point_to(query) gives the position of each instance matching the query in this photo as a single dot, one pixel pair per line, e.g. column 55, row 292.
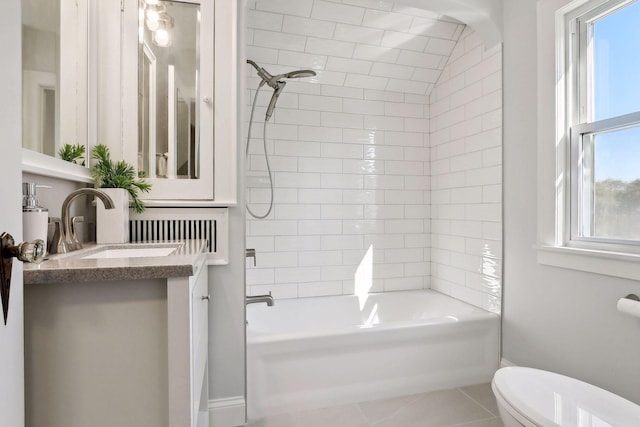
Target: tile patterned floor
column 473, row 406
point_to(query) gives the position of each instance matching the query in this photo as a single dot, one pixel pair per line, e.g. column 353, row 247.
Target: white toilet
column 534, row 398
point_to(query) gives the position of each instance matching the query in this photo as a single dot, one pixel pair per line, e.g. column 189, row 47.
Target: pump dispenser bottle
column 35, row 219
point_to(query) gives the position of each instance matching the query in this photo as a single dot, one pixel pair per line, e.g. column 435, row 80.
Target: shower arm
column 264, row 75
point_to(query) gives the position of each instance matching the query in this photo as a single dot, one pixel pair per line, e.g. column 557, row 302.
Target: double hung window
column 602, row 206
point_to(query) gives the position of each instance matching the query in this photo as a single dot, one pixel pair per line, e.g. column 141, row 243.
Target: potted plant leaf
column 72, row 153
column 121, row 182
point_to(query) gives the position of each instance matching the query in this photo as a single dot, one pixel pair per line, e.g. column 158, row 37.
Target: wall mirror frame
column 75, row 75
column 214, row 160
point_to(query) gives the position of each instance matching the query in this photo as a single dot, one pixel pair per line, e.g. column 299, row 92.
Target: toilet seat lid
column 552, row 400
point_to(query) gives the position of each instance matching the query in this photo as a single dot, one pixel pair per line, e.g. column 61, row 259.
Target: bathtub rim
column 476, row 314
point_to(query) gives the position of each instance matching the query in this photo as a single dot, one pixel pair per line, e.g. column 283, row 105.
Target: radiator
column 168, row 224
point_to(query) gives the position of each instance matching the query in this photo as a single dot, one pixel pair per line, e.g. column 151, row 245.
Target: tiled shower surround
column 466, row 175
column 353, row 152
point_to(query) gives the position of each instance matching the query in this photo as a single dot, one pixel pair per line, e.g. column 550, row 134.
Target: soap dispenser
column 35, row 219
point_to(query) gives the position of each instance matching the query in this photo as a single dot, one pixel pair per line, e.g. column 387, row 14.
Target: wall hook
column 27, row 252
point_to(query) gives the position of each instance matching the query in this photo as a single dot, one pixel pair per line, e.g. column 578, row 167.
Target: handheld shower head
column 276, row 83
column 272, row 80
column 274, row 99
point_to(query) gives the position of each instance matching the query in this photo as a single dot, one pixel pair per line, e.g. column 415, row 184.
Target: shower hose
column 266, row 156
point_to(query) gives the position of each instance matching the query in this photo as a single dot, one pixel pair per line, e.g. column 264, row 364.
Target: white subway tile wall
column 353, row 151
column 466, row 175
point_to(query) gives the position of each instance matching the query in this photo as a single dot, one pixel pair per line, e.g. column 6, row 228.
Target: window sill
column 616, row 264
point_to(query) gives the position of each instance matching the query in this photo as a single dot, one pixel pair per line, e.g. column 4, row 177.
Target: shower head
column 276, row 83
column 298, row 74
column 273, row 81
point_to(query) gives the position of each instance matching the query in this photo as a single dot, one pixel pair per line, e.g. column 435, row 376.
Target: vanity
column 117, row 335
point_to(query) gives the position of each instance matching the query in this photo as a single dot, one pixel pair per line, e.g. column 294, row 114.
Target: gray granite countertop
column 74, row 267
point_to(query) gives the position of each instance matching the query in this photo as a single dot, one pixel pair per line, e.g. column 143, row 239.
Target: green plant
column 72, row 153
column 110, row 174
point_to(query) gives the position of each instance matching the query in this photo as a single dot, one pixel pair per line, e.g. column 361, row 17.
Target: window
column 603, row 117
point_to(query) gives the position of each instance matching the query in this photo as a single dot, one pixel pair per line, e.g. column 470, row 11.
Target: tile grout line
column 415, row 399
column 364, row 416
column 478, row 403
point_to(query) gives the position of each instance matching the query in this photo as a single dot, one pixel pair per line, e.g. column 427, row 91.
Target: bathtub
column 317, row 352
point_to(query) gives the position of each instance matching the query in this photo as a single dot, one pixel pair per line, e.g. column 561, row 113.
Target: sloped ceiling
column 362, row 43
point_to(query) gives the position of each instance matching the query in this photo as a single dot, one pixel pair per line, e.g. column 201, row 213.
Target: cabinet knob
column 205, row 297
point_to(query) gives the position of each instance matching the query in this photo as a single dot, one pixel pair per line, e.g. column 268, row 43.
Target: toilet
column 535, row 398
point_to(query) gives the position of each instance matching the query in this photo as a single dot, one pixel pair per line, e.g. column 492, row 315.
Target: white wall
column 553, row 318
column 466, row 174
column 11, row 336
column 227, row 316
column 52, row 198
column 349, row 148
column 354, row 155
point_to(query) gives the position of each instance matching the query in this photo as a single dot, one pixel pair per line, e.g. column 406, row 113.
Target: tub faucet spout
column 260, row 298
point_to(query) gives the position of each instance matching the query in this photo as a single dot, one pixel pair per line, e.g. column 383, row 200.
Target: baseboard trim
column 227, row 412
column 504, row 363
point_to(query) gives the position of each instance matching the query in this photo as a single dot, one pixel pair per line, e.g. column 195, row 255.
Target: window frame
column 574, row 220
column 581, row 126
column 554, row 90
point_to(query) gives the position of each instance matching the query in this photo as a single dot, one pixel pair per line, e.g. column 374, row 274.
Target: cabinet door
column 188, row 345
column 200, row 344
column 177, row 129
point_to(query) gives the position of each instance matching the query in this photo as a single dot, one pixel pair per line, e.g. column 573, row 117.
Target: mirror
column 168, row 66
column 55, row 70
column 167, row 99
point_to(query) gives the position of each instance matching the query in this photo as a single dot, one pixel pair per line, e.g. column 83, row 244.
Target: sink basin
column 136, row 252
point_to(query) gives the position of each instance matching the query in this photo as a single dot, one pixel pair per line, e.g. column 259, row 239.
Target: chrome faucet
column 68, row 241
column 260, row 298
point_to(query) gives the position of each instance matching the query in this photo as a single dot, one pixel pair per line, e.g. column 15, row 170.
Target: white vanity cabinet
column 119, row 343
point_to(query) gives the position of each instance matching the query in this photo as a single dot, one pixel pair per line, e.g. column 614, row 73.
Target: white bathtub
column 316, row 352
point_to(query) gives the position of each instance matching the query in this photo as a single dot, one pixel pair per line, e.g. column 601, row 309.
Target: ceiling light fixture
column 158, row 21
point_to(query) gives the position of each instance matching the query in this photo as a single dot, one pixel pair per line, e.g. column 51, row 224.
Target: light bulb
column 152, row 16
column 153, row 25
column 161, row 37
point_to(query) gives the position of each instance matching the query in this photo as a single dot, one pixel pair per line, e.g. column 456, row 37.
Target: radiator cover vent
column 174, row 229
column 169, row 224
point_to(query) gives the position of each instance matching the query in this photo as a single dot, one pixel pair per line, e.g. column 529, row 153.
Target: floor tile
column 472, row 406
column 437, row 409
column 336, row 416
column 283, row 420
column 483, row 394
column 493, row 422
column 377, row 410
